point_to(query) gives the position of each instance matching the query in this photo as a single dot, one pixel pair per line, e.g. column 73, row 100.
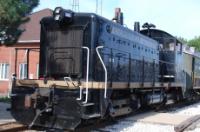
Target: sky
column 180, row 18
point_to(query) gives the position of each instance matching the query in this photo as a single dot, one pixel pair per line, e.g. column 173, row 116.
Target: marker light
column 68, row 14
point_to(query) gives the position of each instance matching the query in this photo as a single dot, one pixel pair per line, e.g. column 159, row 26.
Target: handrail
column 97, row 50
column 87, row 73
column 87, row 76
column 70, row 79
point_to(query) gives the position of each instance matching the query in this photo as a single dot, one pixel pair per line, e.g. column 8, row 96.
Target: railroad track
column 162, row 116
column 12, row 127
column 188, row 124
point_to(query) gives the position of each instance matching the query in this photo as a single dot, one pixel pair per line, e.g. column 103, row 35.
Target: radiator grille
column 64, row 52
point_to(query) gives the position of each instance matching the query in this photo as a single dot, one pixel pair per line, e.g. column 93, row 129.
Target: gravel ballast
column 138, row 126
column 128, row 124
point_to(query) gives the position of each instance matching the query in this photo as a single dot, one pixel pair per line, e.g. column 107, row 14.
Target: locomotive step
column 121, row 111
column 92, row 116
column 87, row 104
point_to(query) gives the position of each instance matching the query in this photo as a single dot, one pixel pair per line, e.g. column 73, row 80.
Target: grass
column 5, row 99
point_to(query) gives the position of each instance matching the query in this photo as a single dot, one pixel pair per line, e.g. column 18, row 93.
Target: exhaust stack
column 119, row 17
column 137, row 27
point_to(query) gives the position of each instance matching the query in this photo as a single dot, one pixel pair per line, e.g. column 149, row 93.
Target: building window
column 22, row 71
column 4, row 71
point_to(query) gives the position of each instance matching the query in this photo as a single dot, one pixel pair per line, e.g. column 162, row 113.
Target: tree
column 183, row 40
column 195, row 43
column 12, row 14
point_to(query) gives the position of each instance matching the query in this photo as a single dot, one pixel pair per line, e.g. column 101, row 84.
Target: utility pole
column 101, row 6
column 97, row 6
column 75, row 5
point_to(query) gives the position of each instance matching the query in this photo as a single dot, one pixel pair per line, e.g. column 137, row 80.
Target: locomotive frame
column 92, row 68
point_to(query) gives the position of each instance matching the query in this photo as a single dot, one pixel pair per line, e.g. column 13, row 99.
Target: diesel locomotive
column 92, row 68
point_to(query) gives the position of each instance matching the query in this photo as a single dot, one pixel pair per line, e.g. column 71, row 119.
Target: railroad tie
column 189, row 123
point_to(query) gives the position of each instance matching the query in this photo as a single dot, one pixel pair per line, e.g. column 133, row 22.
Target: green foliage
column 183, row 40
column 195, row 43
column 12, row 14
column 5, row 99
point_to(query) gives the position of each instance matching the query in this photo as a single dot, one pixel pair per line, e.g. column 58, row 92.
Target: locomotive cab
column 169, row 55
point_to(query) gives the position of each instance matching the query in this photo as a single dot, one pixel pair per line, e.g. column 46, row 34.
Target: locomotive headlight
column 57, row 10
column 57, row 17
column 62, row 15
column 57, row 13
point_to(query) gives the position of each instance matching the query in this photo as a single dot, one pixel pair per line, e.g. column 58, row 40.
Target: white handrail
column 69, row 78
column 80, row 93
column 97, row 50
column 87, row 76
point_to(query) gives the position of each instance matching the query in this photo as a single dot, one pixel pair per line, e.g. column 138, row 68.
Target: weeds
column 5, row 99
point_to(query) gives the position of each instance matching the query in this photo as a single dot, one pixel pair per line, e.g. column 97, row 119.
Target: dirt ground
column 5, row 115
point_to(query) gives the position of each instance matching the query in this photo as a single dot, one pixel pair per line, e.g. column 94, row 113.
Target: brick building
column 30, row 38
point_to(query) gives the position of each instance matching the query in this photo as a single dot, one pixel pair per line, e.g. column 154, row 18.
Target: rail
column 12, row 127
column 97, row 50
column 187, row 124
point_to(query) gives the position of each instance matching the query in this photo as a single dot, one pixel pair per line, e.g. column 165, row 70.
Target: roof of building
column 31, row 33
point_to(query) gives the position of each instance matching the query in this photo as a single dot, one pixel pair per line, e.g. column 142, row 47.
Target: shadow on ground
column 5, row 115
